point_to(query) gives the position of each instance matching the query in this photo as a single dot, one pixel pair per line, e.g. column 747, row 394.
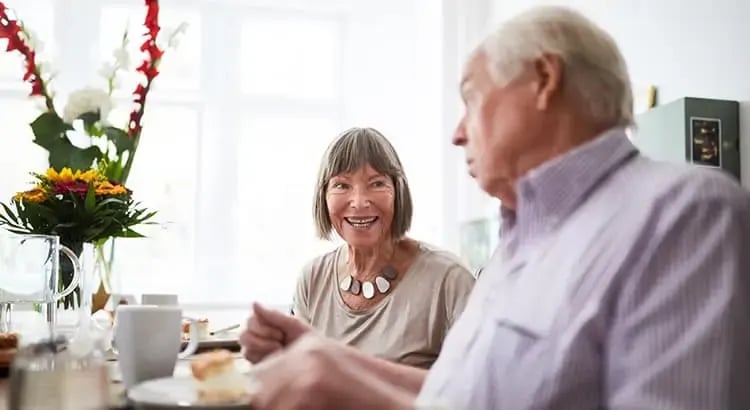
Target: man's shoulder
column 662, row 185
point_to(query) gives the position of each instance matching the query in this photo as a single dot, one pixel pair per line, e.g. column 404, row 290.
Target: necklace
column 382, row 283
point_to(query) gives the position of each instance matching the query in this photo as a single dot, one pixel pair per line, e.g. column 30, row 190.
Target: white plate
column 178, row 392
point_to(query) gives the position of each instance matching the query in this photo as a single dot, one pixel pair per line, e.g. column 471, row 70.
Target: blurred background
column 256, row 89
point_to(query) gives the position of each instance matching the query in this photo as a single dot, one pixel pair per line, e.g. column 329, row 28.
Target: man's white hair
column 594, row 71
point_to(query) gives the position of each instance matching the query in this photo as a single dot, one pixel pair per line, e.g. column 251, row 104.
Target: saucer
column 180, row 392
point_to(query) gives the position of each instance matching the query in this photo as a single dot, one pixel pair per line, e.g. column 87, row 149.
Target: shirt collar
column 549, row 193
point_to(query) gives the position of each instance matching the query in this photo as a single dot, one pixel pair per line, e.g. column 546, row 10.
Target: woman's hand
column 269, row 331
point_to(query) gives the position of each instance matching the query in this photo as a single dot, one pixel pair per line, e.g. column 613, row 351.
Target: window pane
column 20, row 155
column 180, row 67
column 163, row 179
column 38, row 17
column 278, row 164
column 289, row 56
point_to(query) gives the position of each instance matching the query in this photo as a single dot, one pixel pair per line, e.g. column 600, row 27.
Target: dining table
column 118, row 399
column 220, row 318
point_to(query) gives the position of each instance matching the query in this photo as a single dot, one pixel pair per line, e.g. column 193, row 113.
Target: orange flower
column 34, row 195
column 106, row 188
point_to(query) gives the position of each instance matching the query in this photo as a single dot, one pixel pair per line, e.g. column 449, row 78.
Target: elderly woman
column 385, row 293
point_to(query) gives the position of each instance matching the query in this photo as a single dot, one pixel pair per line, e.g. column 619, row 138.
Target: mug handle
column 76, row 272
column 192, row 345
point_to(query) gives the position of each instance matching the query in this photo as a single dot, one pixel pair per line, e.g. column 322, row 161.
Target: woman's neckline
column 339, row 261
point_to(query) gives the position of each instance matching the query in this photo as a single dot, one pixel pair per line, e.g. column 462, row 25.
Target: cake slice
column 217, row 379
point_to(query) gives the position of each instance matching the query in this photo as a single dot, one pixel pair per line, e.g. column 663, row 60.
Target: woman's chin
column 362, row 239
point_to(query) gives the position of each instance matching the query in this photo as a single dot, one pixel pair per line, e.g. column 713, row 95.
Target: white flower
column 122, row 58
column 87, row 100
column 107, row 70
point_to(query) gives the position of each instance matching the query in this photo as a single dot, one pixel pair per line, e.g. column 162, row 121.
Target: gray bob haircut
column 594, row 70
column 350, row 151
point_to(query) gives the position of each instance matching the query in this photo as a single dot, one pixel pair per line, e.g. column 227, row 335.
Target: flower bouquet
column 79, row 207
column 90, row 205
column 110, row 149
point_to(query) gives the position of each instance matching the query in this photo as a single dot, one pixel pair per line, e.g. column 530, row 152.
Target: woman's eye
column 339, row 185
column 379, row 184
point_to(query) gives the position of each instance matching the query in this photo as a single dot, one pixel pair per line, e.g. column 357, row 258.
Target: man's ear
column 548, row 72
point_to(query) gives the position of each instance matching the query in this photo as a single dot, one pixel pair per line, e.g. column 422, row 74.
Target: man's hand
column 269, row 331
column 315, row 373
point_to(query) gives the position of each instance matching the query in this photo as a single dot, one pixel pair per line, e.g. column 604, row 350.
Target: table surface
column 117, row 389
column 219, row 317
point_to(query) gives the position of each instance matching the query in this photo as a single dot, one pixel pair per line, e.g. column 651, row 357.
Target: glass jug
column 30, row 273
column 49, row 375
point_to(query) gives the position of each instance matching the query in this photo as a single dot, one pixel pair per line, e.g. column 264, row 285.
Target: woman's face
column 360, row 205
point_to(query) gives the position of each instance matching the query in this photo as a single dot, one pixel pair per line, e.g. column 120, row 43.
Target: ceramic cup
column 148, row 339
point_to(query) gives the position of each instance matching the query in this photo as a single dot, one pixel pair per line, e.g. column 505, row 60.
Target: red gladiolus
column 148, row 67
column 11, row 31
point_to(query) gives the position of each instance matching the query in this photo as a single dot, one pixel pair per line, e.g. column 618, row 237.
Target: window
column 236, row 127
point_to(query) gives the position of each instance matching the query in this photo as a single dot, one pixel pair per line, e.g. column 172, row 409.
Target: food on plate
column 202, row 329
column 8, row 347
column 217, row 379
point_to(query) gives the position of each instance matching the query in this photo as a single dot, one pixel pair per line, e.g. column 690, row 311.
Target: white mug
column 148, row 339
column 159, row 299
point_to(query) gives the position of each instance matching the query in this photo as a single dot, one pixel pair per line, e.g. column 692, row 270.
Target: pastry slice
column 217, row 379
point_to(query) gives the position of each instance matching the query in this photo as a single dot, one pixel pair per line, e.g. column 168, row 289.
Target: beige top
column 408, row 326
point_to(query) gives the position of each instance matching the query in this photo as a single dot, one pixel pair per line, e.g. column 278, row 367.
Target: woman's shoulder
column 321, row 265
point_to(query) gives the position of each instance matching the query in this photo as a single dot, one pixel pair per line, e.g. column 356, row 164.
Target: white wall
column 684, row 47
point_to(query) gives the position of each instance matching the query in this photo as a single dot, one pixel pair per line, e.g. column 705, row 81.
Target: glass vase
column 76, row 310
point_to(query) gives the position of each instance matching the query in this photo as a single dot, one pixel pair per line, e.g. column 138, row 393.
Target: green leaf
column 10, row 213
column 48, row 129
column 89, row 119
column 129, row 233
column 65, row 154
column 19, row 231
column 121, row 140
column 90, row 203
column 109, row 201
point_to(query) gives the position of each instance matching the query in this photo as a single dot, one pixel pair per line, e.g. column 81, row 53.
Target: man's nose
column 459, row 135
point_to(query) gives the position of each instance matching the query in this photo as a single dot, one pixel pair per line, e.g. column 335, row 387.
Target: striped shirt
column 620, row 282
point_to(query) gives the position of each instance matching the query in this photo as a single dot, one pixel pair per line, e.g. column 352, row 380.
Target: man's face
column 499, row 126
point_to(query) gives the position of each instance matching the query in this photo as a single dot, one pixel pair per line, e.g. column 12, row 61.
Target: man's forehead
column 472, row 66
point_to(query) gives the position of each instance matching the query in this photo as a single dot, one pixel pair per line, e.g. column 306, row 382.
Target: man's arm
column 680, row 331
column 403, row 376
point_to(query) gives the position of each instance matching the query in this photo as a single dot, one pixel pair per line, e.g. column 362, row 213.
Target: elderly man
column 620, row 282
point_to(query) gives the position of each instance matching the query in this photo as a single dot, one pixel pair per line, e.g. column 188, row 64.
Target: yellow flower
column 106, row 188
column 35, row 195
column 65, row 175
column 88, row 177
column 52, row 175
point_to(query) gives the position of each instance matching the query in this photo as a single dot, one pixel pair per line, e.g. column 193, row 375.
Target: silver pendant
column 382, row 284
column 368, row 290
column 346, row 284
